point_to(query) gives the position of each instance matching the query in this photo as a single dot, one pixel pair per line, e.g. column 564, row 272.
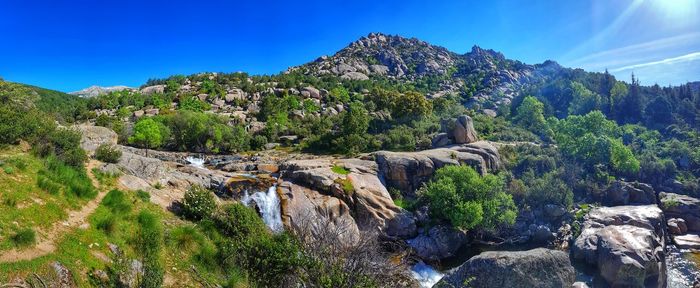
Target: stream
column 196, row 162
column 268, row 204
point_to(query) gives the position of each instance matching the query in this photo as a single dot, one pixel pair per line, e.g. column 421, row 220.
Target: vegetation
column 108, row 154
column 198, row 203
column 479, row 202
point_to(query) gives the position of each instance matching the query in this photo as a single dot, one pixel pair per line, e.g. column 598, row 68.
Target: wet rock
column 533, row 268
column 626, row 243
column 687, row 241
column 439, row 243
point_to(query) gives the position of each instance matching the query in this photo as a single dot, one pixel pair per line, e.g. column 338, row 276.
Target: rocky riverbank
column 627, row 243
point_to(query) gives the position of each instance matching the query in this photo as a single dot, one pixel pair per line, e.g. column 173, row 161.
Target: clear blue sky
column 69, row 45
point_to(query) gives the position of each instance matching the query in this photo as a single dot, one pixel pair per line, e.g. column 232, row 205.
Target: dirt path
column 47, row 242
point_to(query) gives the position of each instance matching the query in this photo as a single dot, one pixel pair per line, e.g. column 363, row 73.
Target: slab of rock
column 626, row 243
column 315, row 214
column 681, row 206
column 534, row 268
column 687, row 241
column 406, row 171
column 370, row 202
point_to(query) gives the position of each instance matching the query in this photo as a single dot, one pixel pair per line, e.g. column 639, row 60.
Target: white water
column 269, row 205
column 426, row 275
column 196, row 162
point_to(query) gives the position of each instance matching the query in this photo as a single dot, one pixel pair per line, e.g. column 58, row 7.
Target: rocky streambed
column 640, row 238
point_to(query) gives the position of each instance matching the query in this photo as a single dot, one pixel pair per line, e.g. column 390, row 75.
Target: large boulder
column 438, row 243
column 463, row 131
column 407, row 171
column 360, row 189
column 315, row 215
column 534, row 268
column 626, row 243
column 153, row 89
column 94, row 136
column 629, row 193
column 683, row 207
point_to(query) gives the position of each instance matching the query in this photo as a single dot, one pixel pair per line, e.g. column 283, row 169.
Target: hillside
column 388, row 160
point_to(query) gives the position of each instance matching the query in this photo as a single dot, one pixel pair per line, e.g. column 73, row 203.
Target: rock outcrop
column 534, row 268
column 438, row 243
column 94, row 136
column 463, row 131
column 626, row 244
column 629, row 193
column 683, row 207
column 406, row 171
column 358, row 187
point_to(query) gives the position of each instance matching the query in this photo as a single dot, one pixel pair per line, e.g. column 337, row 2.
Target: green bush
column 108, row 224
column 239, row 222
column 340, row 170
column 24, row 237
column 474, row 201
column 198, row 203
column 108, row 153
column 65, row 145
column 74, row 179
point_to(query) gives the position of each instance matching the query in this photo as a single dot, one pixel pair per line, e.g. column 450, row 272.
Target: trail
column 48, row 237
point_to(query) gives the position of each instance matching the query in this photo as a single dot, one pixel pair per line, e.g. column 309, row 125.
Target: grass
column 143, row 195
column 346, row 184
column 340, row 170
column 25, row 237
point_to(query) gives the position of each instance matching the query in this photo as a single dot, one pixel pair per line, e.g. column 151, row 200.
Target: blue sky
column 69, row 45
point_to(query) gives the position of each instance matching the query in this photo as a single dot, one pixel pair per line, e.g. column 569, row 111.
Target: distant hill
column 95, row 90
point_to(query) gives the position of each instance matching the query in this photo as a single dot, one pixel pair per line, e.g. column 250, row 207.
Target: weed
column 24, row 237
column 340, row 170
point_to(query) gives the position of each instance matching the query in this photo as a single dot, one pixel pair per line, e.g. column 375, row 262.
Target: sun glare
column 676, row 8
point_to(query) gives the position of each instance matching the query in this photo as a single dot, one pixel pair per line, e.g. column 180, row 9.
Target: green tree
column 469, row 201
column 583, row 100
column 148, row 133
column 530, row 115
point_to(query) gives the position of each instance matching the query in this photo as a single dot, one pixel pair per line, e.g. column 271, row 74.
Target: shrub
column 478, row 202
column 108, row 224
column 238, row 221
column 198, row 203
column 108, row 153
column 74, row 179
column 8, row 169
column 24, row 237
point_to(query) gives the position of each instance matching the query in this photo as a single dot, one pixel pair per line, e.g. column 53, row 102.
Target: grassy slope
column 86, row 250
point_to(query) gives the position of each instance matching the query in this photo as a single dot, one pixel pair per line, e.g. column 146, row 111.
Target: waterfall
column 196, row 162
column 269, row 205
column 426, row 275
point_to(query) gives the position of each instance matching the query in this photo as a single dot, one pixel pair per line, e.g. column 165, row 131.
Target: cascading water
column 196, row 162
column 269, row 205
column 426, row 275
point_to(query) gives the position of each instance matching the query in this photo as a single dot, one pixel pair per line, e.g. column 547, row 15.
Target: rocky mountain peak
column 95, row 90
